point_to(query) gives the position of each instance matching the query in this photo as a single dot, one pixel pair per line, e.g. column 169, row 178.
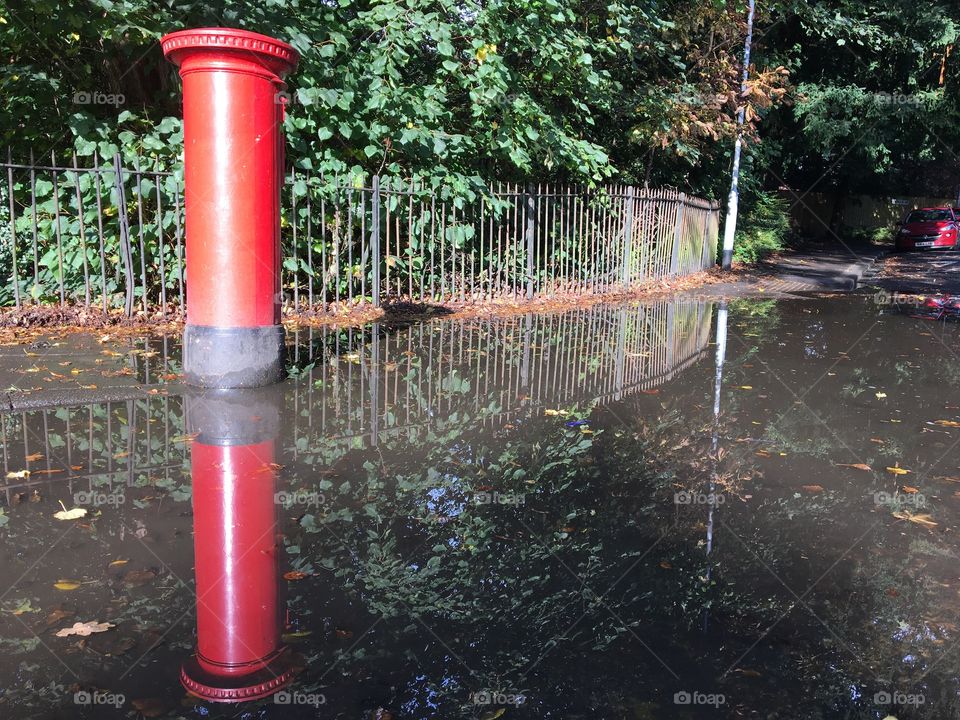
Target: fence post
column 126, row 252
column 375, row 239
column 13, row 228
column 677, row 235
column 705, row 250
column 628, row 237
column 530, row 233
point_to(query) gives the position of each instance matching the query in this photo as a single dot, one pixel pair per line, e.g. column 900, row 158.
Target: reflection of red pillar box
column 239, row 615
column 233, row 166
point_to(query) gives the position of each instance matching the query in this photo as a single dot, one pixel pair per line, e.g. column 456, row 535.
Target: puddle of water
column 585, row 514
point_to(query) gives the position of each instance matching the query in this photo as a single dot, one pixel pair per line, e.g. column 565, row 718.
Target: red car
column 929, row 228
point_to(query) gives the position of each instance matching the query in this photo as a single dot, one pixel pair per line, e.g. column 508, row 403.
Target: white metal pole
column 730, row 228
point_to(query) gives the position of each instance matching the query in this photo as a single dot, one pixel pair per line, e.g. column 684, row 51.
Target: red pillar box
column 234, row 159
column 239, row 612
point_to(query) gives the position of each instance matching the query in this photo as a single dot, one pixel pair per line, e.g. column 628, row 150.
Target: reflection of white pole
column 717, row 389
column 733, row 201
column 715, row 440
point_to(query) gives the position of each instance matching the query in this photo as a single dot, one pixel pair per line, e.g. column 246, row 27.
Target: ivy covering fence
column 111, row 236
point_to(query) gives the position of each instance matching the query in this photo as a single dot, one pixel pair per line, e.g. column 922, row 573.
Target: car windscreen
column 918, row 216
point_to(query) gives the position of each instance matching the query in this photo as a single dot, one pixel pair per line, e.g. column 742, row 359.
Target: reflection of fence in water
column 487, row 368
column 367, row 384
column 81, row 448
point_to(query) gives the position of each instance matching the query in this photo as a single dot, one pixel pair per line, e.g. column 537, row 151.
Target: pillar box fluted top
column 233, row 105
column 238, row 47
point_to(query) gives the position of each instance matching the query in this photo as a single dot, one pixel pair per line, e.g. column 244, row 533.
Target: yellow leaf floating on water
column 85, row 628
column 897, row 470
column 73, row 514
column 923, row 519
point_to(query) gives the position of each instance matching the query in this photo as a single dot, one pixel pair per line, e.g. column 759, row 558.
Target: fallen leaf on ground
column 85, row 628
column 66, row 585
column 33, row 457
column 294, row 575
column 947, row 423
column 856, row 466
column 897, row 470
column 923, row 519
column 150, row 707
column 135, row 578
column 910, row 490
column 813, row 488
column 73, row 514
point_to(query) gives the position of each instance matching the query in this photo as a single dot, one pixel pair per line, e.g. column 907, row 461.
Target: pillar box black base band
column 218, row 357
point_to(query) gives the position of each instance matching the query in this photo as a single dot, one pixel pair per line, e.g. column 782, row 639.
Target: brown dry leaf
column 85, row 628
column 150, row 707
column 118, row 562
column 344, row 634
column 856, row 466
column 33, row 457
column 47, row 472
column 294, row 575
column 58, row 615
column 923, row 519
column 813, row 488
column 909, row 489
column 947, row 423
column 746, row 672
column 135, row 578
column 665, row 564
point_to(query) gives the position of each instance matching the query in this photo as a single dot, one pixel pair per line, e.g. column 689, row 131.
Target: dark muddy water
column 598, row 514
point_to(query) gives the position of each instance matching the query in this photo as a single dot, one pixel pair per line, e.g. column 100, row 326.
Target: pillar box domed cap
column 228, row 46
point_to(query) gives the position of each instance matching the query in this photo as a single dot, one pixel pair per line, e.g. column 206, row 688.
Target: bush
column 764, row 228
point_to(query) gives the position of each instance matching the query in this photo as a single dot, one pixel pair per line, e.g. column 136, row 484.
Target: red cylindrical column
column 233, row 165
column 239, row 614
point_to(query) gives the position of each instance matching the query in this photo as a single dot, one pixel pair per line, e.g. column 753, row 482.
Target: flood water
column 598, row 514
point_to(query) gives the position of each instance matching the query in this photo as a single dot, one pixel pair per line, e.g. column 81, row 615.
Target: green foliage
column 764, row 229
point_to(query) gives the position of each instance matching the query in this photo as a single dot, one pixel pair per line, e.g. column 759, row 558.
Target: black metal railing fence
column 111, row 235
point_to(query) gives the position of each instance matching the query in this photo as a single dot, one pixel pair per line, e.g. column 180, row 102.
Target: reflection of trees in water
column 549, row 597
